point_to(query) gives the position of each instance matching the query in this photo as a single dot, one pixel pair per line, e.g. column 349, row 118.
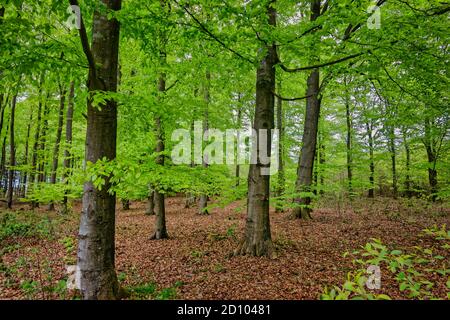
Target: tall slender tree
column 96, row 239
column 12, row 154
column 309, row 139
column 55, row 162
column 68, row 145
column 257, row 240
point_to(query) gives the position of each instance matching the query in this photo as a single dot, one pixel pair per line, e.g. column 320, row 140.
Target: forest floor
column 195, row 262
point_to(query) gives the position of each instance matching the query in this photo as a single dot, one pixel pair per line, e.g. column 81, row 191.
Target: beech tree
column 96, row 240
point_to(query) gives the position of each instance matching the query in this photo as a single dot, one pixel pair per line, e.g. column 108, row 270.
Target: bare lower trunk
column 371, row 160
column 12, row 155
column 34, row 161
column 281, row 177
column 239, row 124
column 257, row 240
column 160, row 223
column 309, row 139
column 408, row 190
column 393, row 162
column 203, row 201
column 3, row 172
column 67, row 151
column 43, row 143
column 125, row 204
column 55, row 162
column 96, row 239
column 349, row 143
column 27, row 144
column 430, row 147
column 150, row 210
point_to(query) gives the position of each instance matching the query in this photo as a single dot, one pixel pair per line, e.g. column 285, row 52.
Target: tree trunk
column 349, row 142
column 43, row 142
column 257, row 239
column 281, row 177
column 321, row 164
column 96, row 240
column 160, row 223
column 12, row 155
column 67, row 150
column 203, row 201
column 62, row 101
column 371, row 161
column 432, row 158
column 309, row 139
column 393, row 161
column 238, row 125
column 3, row 163
column 125, row 204
column 150, row 211
column 34, row 161
column 27, row 143
column 408, row 190
column 3, row 173
column 160, row 210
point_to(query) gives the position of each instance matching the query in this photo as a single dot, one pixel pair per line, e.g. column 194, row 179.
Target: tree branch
column 291, row 99
column 85, row 41
column 212, row 35
column 325, row 64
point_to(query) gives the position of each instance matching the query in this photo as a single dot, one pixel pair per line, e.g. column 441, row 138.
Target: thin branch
column 85, row 42
column 212, row 35
column 291, row 99
column 325, row 64
column 171, row 86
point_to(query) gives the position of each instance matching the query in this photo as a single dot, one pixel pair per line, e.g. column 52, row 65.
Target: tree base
column 256, row 249
column 159, row 235
column 304, row 214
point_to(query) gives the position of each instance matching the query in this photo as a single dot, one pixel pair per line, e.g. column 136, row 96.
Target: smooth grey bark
column 43, row 143
column 408, row 190
column 203, row 199
column 321, row 163
column 190, row 199
column 349, row 123
column 150, row 210
column 309, row 139
column 160, row 231
column 68, row 147
column 3, row 163
column 257, row 240
column 34, row 159
column 96, row 238
column 281, row 180
column 238, row 125
column 430, row 147
column 369, row 128
column 3, row 173
column 27, row 144
column 12, row 154
column 55, row 160
column 393, row 161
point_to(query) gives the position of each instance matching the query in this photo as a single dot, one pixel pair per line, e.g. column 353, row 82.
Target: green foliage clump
column 414, row 270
